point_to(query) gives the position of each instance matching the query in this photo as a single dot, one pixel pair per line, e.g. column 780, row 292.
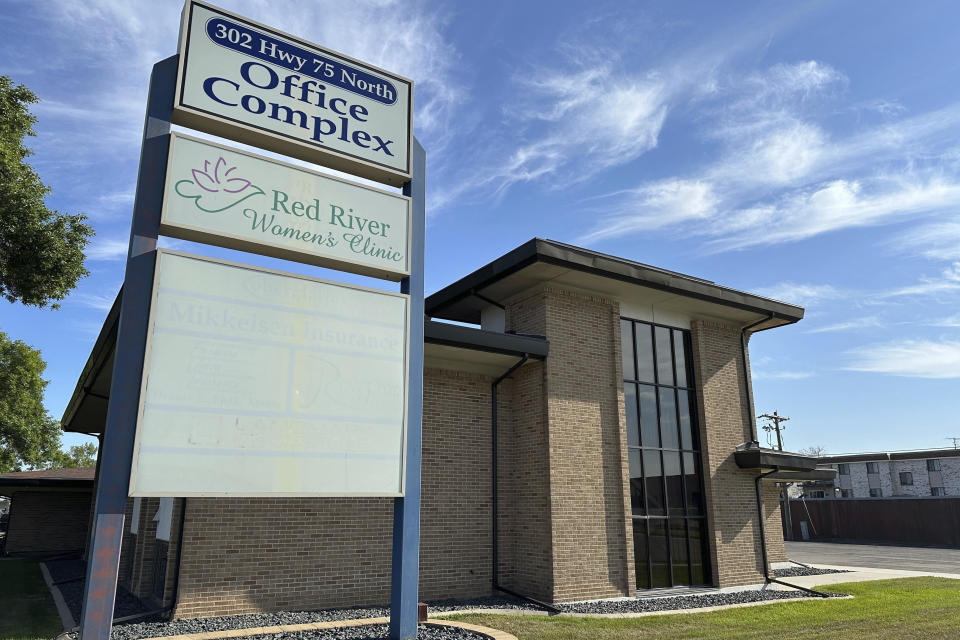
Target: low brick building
column 590, row 434
column 49, row 511
column 922, row 473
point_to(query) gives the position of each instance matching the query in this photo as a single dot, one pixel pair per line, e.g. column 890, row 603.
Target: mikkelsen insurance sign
column 243, row 201
column 248, row 82
column 260, row 383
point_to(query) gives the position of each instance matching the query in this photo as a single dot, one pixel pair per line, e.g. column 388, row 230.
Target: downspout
column 176, row 576
column 494, row 498
column 751, row 416
column 768, row 579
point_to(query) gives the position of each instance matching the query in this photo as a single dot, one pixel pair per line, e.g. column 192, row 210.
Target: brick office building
column 924, row 473
column 589, row 436
column 49, row 511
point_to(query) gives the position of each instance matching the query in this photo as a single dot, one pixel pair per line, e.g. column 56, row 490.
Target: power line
column 955, row 441
column 776, row 419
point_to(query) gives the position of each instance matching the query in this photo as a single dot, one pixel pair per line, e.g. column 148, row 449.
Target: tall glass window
column 670, row 541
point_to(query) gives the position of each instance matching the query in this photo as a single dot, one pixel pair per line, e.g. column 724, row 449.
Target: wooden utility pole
column 776, row 419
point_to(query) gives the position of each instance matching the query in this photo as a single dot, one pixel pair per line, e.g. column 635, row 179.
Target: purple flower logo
column 214, row 190
column 219, row 180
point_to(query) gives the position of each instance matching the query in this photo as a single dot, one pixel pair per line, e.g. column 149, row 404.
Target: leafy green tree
column 41, row 250
column 29, row 437
column 79, row 455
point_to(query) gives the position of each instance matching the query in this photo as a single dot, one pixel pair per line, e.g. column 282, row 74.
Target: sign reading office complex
column 246, row 81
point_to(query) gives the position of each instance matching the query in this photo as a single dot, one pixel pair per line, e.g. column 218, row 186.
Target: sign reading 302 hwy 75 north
column 243, row 201
column 250, row 83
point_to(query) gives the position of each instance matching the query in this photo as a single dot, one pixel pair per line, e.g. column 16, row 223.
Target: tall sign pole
column 116, row 456
column 406, row 510
column 248, row 82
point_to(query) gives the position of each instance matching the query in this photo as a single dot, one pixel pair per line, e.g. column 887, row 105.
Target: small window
column 906, row 478
column 933, row 464
column 873, row 467
column 876, row 493
column 843, row 469
column 846, row 493
column 938, row 491
column 817, row 494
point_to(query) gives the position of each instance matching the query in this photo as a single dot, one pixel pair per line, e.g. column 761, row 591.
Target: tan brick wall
column 525, row 549
column 249, row 555
column 48, row 521
column 588, row 478
column 772, row 524
column 730, row 491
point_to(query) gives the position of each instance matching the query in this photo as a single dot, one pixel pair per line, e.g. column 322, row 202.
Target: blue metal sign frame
column 117, row 448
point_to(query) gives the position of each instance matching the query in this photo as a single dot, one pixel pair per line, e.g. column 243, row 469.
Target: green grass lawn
column 27, row 611
column 900, row 609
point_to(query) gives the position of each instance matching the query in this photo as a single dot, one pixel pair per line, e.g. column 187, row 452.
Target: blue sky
column 805, row 152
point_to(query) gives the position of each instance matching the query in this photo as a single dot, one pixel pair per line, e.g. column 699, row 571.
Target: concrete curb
column 638, row 614
column 493, row 634
column 66, row 618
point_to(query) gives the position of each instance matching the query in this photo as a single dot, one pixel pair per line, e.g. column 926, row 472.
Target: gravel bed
column 643, row 605
column 69, row 569
column 158, row 628
column 797, row 572
column 376, row 632
column 137, row 630
column 490, row 602
column 153, row 629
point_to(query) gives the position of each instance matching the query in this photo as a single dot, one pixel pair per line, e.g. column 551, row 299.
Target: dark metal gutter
column 768, row 579
column 479, row 340
column 584, row 260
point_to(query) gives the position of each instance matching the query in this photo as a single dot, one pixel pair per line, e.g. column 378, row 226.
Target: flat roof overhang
column 43, row 483
column 762, row 459
column 539, row 260
column 891, row 455
column 446, row 346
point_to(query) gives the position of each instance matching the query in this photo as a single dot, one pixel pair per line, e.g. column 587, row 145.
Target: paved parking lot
column 881, row 557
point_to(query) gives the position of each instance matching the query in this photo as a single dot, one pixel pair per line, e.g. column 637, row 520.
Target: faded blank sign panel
column 260, row 383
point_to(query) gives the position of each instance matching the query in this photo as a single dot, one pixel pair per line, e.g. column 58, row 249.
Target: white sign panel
column 242, row 80
column 238, row 200
column 259, row 383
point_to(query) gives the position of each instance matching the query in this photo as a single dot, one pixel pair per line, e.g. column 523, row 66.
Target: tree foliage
column 79, row 455
column 41, row 250
column 29, row 437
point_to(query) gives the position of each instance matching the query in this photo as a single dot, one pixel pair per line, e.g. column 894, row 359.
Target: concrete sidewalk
column 857, row 574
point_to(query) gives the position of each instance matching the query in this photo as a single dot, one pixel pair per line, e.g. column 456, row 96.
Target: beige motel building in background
column 587, row 433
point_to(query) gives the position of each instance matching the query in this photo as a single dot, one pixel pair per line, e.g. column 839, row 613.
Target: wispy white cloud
column 938, row 241
column 840, row 204
column 909, row 358
column 108, row 249
column 802, row 294
column 947, row 282
column 93, row 300
column 949, row 321
column 762, row 374
column 780, row 177
column 859, row 323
